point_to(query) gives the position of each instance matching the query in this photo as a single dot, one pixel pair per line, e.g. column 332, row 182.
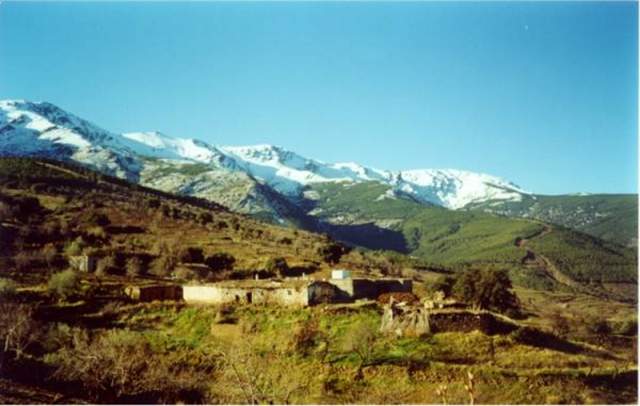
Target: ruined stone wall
column 416, row 321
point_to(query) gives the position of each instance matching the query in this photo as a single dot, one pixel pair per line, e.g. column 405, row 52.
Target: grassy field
column 280, row 355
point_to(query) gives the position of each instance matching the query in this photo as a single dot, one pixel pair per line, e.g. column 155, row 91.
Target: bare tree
column 251, row 376
column 18, row 329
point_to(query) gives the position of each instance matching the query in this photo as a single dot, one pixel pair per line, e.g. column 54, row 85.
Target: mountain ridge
column 283, row 170
column 275, row 184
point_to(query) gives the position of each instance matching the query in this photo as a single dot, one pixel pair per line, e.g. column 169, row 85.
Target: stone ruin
column 402, row 319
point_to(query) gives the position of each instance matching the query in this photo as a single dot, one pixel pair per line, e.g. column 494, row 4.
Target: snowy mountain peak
column 43, row 129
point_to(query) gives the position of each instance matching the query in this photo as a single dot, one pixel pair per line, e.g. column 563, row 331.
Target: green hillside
column 463, row 238
column 609, row 217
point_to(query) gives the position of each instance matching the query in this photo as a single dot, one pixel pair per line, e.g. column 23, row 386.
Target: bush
column 560, row 325
column 98, row 219
column 64, row 284
column 75, row 247
column 7, row 289
column 598, row 327
column 164, row 265
column 220, row 261
column 49, row 254
column 306, row 337
column 120, row 363
column 443, row 284
column 185, row 274
column 192, row 255
column 135, row 267
column 106, row 265
column 23, row 260
column 627, row 327
column 332, row 252
column 277, row 266
column 205, row 218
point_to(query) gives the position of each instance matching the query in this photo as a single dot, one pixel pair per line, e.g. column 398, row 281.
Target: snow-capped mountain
column 229, row 175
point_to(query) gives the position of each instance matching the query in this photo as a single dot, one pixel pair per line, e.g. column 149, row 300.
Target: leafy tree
column 277, row 265
column 220, row 261
column 64, row 284
column 486, row 289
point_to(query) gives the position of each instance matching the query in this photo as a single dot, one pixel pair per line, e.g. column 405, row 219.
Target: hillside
column 96, row 345
column 609, row 217
column 269, row 182
column 51, row 203
column 463, row 238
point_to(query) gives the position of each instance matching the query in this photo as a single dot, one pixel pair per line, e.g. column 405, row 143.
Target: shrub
column 286, row 241
column 106, row 265
column 120, row 362
column 49, row 254
column 306, row 337
column 18, row 329
column 332, row 252
column 64, row 284
column 192, row 255
column 277, row 266
column 185, row 274
column 359, row 340
column 598, row 327
column 98, row 219
column 443, row 284
column 220, row 261
column 205, row 218
column 7, row 289
column 164, row 265
column 627, row 327
column 135, row 267
column 560, row 325
column 75, row 247
column 23, row 260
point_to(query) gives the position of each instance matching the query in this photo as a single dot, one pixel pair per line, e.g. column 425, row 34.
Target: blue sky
column 543, row 94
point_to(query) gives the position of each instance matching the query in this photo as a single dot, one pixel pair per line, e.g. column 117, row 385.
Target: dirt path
column 534, row 259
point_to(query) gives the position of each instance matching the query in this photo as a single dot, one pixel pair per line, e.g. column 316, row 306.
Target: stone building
column 297, row 292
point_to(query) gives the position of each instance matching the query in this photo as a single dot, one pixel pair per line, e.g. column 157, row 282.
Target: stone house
column 299, row 292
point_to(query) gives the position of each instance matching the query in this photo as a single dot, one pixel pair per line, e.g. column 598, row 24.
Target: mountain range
column 443, row 216
column 274, row 183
